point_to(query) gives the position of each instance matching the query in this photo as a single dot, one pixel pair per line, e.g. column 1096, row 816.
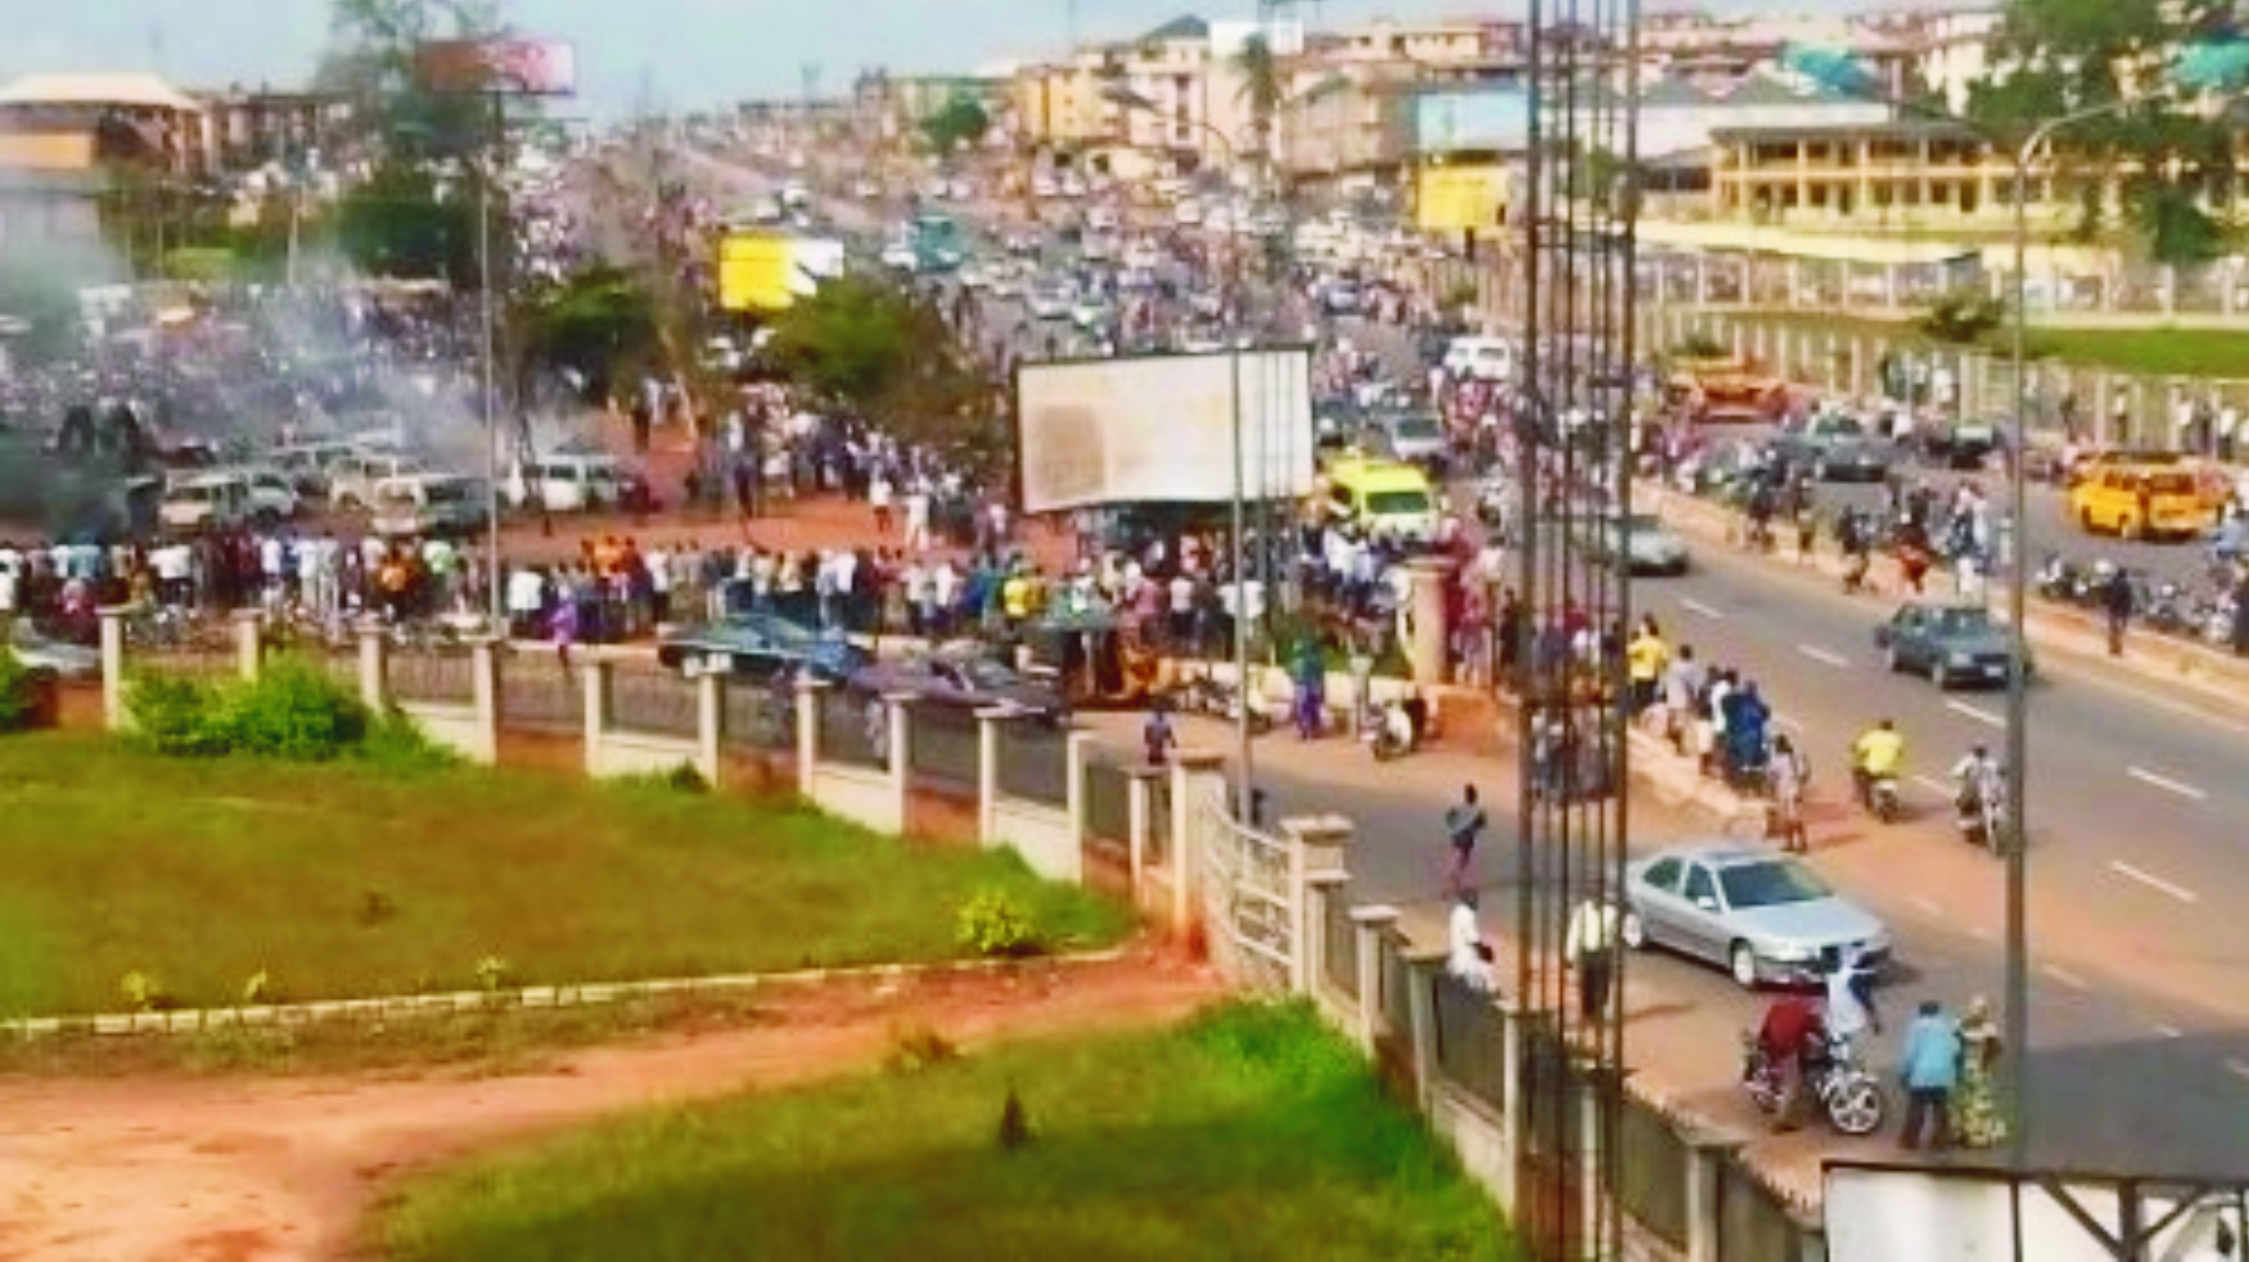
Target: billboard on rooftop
column 1480, row 119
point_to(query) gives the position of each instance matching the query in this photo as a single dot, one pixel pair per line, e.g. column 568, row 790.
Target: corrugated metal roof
column 144, row 90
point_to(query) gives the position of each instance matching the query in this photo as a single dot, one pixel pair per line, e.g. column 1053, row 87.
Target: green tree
column 599, row 322
column 399, row 223
column 960, row 123
column 2171, row 164
column 894, row 357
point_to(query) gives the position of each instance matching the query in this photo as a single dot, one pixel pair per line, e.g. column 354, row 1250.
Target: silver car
column 1650, row 547
column 1766, row 917
column 42, row 652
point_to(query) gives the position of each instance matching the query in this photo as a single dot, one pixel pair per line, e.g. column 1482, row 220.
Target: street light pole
column 496, row 596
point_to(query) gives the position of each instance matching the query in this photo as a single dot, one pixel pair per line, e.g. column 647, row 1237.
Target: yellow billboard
column 755, row 271
column 1465, row 198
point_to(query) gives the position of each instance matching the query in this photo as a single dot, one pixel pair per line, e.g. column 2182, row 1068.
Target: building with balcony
column 71, row 143
column 249, row 128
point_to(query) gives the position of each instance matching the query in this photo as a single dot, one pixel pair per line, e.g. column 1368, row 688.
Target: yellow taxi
column 2142, row 500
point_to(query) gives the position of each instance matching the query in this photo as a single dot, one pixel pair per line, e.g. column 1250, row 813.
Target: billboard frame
column 1236, row 354
column 432, row 55
column 2130, row 1237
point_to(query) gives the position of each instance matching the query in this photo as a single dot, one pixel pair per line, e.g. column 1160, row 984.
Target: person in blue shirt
column 1931, row 1069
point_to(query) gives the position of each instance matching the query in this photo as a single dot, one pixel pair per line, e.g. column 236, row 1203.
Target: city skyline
column 684, row 54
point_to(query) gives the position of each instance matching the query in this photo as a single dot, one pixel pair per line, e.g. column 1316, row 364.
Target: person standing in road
column 1645, row 659
column 1931, row 1069
column 1788, row 776
column 1591, row 950
column 2116, row 602
column 1976, row 1120
column 1464, row 826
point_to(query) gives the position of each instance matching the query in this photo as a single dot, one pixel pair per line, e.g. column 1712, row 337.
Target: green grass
column 1250, row 1133
column 2187, row 352
column 353, row 878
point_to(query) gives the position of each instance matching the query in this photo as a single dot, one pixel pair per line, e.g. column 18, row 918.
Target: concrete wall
column 459, row 728
column 867, row 798
column 1045, row 837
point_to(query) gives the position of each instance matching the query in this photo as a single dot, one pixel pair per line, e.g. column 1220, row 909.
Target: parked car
column 1949, row 641
column 759, row 647
column 575, row 482
column 352, row 480
column 38, row 651
column 1764, row 917
column 1648, row 545
column 964, row 677
column 205, row 502
column 1959, row 443
column 1416, row 438
column 423, row 505
column 1835, row 447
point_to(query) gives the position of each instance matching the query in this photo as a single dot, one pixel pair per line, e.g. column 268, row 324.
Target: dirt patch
column 264, row 1169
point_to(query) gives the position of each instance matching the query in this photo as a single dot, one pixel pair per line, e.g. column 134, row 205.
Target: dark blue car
column 760, row 647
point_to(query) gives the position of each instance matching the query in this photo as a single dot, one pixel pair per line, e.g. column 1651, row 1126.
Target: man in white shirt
column 917, row 517
column 1592, row 951
column 1469, row 957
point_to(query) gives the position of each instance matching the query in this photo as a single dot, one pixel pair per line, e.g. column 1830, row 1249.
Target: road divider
column 2158, row 884
column 2165, row 783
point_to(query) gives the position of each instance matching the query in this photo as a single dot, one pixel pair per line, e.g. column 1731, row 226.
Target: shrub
column 22, row 692
column 259, row 990
column 145, row 992
column 176, row 716
column 291, row 712
column 993, row 923
column 494, row 973
column 394, row 743
column 1964, row 316
column 1700, row 345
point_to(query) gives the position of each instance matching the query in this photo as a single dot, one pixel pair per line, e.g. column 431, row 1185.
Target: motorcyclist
column 1980, row 780
column 1791, row 1034
column 1878, row 754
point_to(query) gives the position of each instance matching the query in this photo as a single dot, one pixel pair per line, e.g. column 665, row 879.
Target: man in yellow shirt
column 1645, row 659
column 1878, row 754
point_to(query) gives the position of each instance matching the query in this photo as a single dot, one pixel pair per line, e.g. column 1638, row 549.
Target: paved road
column 2135, row 872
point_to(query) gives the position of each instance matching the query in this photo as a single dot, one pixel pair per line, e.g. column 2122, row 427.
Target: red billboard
column 502, row 65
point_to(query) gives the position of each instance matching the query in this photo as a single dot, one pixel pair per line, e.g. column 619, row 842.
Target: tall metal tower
column 1574, row 204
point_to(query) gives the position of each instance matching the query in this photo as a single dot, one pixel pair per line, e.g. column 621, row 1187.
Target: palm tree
column 1260, row 73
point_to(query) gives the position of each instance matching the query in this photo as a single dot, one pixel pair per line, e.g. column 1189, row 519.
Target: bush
column 994, row 924
column 23, row 693
column 292, row 712
column 1964, row 316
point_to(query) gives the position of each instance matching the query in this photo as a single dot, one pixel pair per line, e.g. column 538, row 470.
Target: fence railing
column 853, row 729
column 646, row 697
column 1108, row 801
column 1471, row 1040
column 942, row 746
column 1034, row 764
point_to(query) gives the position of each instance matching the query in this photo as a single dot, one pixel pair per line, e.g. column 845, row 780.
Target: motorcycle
column 1216, row 699
column 1848, row 1093
column 1879, row 795
column 1389, row 731
column 1981, row 819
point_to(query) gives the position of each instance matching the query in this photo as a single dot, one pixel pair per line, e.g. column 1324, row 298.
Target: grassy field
column 351, row 879
column 2221, row 353
column 1251, row 1133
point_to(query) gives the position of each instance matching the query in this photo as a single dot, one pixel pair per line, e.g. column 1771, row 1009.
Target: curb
column 408, row 1007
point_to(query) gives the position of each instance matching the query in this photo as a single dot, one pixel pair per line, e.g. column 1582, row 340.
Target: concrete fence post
column 1321, row 890
column 374, row 666
column 1422, row 965
column 249, row 643
column 1140, row 824
column 595, row 674
column 1300, row 974
column 988, row 720
column 1705, row 1154
column 1372, row 924
column 113, row 617
column 1326, row 840
column 1511, row 1113
column 1198, row 783
column 809, row 694
column 1077, row 747
column 898, row 714
column 710, row 723
column 484, row 684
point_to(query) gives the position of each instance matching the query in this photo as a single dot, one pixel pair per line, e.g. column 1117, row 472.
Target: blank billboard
column 1467, row 120
column 1161, row 429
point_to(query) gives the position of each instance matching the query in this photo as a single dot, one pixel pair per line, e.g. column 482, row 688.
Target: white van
column 1480, row 359
column 567, row 483
column 352, row 480
column 273, row 493
column 427, row 504
column 205, row 501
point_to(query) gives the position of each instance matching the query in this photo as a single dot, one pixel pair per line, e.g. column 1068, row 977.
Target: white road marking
column 1980, row 715
column 2165, row 783
column 1981, row 934
column 1928, row 906
column 2169, row 1032
column 1691, row 605
column 2238, row 1068
column 1826, row 657
column 1787, row 723
column 1933, row 785
column 2153, row 882
column 2065, row 977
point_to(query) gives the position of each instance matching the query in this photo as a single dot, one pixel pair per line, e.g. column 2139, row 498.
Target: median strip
column 2165, row 783
column 2153, row 882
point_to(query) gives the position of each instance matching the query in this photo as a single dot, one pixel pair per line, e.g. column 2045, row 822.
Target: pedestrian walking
column 1591, row 950
column 1976, row 1120
column 1464, row 825
column 1930, row 1069
column 1788, row 775
column 1157, row 736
